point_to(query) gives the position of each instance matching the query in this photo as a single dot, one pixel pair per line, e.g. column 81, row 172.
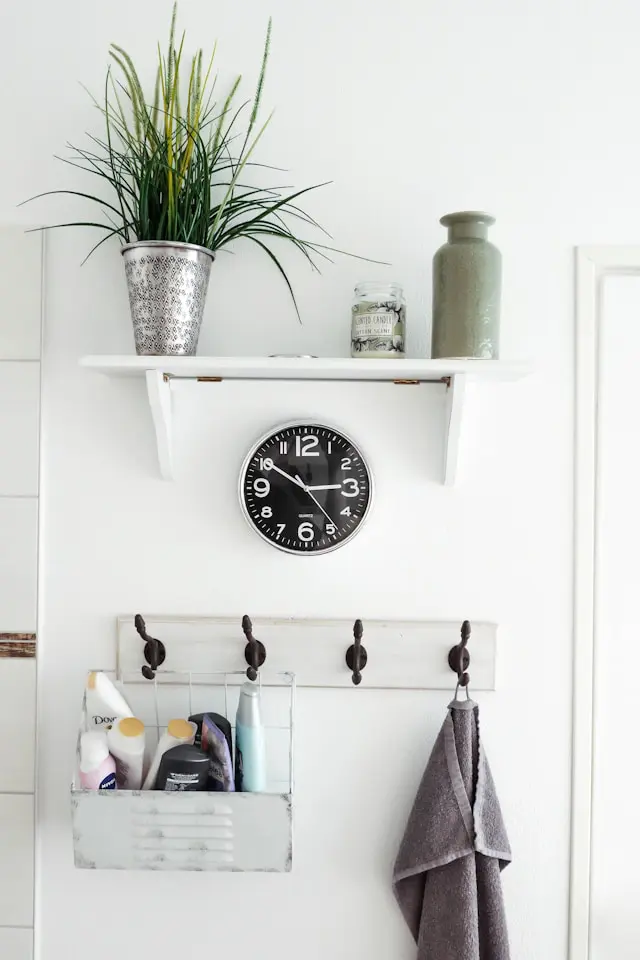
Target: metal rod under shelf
column 168, row 377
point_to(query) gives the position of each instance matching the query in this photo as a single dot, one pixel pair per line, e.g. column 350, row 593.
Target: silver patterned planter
column 167, row 285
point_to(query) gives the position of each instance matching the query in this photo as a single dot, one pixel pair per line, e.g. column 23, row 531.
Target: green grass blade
column 263, row 70
column 281, row 270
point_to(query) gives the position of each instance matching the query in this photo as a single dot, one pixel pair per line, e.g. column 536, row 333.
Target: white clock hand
column 326, row 486
column 315, row 500
column 298, row 482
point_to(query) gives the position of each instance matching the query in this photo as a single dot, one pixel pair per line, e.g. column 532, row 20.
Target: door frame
column 593, row 265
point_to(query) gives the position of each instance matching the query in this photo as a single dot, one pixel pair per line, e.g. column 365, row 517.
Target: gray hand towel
column 447, row 875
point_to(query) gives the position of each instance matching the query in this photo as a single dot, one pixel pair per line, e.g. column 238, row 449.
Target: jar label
column 373, row 324
column 377, row 331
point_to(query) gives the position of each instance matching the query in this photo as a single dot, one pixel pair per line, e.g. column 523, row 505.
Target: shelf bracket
column 159, row 393
column 453, row 373
column 453, row 425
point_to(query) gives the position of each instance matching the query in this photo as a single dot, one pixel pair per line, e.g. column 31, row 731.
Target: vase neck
column 468, row 231
column 467, row 225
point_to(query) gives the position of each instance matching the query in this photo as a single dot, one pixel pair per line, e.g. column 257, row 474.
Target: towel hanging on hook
column 447, row 874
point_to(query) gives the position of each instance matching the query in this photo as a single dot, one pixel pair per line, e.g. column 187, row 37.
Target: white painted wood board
column 19, row 427
column 17, row 721
column 409, row 655
column 305, row 368
column 21, row 290
column 19, row 564
column 16, row 859
column 16, row 943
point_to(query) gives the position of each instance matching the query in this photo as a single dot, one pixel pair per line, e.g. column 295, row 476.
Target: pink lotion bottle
column 97, row 766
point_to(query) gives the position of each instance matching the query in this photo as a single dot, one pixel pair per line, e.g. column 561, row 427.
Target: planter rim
column 167, row 243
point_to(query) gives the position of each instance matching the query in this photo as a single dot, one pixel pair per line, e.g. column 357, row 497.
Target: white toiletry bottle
column 177, row 732
column 251, row 765
column 105, row 703
column 126, row 745
column 97, row 767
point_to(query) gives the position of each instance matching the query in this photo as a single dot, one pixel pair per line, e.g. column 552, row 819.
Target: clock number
column 354, row 486
column 330, row 529
column 346, row 463
column 261, row 487
column 305, row 532
column 266, row 512
column 281, row 529
column 346, row 512
column 266, row 463
column 283, row 447
column 305, row 445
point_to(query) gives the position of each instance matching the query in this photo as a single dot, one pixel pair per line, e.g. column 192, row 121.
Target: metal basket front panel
column 123, row 830
column 167, row 287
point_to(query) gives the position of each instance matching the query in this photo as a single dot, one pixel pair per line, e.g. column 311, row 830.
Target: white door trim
column 593, row 264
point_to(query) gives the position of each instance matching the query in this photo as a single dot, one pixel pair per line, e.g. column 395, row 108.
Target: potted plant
column 175, row 168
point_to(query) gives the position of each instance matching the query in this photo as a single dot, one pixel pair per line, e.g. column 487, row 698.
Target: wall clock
column 305, row 488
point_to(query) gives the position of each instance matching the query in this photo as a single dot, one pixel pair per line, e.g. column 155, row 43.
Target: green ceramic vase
column 467, row 274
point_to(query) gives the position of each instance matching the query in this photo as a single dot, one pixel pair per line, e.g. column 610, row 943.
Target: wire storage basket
column 154, row 830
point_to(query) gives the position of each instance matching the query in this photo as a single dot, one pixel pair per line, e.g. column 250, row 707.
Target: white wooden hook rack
column 159, row 373
column 160, row 830
column 407, row 655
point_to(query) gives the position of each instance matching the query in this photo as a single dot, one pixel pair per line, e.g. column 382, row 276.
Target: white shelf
column 302, row 368
column 160, row 371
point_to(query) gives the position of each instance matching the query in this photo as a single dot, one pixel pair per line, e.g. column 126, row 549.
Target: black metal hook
column 459, row 656
column 356, row 654
column 255, row 653
column 154, row 650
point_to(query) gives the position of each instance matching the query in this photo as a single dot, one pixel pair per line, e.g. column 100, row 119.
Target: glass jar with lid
column 378, row 320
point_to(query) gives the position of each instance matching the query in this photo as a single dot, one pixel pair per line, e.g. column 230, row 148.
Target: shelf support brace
column 453, row 412
column 159, row 392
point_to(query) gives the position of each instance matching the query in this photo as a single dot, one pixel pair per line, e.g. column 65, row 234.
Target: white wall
column 413, row 110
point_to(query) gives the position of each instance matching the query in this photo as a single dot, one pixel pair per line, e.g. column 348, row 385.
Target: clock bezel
column 317, row 424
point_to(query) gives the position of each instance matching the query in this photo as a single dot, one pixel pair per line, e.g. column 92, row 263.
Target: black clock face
column 305, row 488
